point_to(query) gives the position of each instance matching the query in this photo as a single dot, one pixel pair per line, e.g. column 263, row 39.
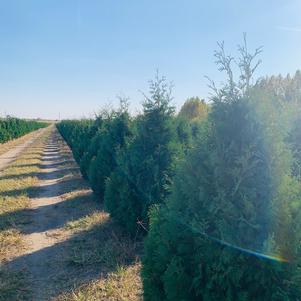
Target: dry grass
column 122, row 285
column 87, row 222
column 15, row 184
column 100, row 248
column 100, row 251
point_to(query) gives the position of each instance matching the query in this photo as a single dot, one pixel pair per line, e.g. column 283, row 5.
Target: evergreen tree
column 145, row 168
column 111, row 138
column 232, row 204
column 92, row 145
column 78, row 134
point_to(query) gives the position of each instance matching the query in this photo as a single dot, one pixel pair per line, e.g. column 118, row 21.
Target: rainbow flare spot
column 250, row 252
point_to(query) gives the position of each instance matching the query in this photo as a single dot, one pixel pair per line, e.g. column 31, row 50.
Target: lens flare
column 272, row 257
column 250, row 252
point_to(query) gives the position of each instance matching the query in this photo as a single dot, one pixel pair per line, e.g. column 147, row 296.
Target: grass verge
column 106, row 260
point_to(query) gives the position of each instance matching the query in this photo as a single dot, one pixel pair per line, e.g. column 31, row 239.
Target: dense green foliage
column 110, row 139
column 217, row 190
column 146, row 165
column 78, row 135
column 12, row 128
column 234, row 201
column 130, row 161
column 95, row 144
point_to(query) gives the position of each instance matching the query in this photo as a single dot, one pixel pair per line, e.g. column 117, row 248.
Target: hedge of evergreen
column 130, row 161
column 231, row 227
column 12, row 128
column 217, row 194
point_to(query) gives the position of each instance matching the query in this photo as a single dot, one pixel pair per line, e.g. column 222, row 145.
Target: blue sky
column 72, row 57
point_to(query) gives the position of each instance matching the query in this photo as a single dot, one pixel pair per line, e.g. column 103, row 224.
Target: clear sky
column 72, row 57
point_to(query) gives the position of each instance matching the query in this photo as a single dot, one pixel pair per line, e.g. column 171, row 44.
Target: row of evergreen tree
column 216, row 188
column 11, row 128
column 130, row 161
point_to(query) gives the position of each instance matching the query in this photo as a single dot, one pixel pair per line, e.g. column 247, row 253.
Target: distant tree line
column 11, row 128
column 215, row 188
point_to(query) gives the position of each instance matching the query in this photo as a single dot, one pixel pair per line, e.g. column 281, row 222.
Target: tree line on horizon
column 214, row 191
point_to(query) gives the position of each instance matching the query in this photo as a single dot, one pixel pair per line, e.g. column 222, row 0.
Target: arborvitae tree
column 78, row 134
column 231, row 207
column 92, row 145
column 145, row 168
column 111, row 138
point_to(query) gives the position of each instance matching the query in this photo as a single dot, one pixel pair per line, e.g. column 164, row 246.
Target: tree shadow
column 59, row 164
column 59, row 188
column 54, row 156
column 51, row 175
column 67, row 180
column 69, row 210
column 80, row 259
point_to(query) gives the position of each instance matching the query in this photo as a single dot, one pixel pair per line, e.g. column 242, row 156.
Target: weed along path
column 58, row 243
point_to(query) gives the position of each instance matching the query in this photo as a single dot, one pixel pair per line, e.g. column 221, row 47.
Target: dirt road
column 44, row 235
column 72, row 249
column 41, row 235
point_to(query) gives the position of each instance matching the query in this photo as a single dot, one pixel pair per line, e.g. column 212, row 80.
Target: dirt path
column 73, row 250
column 43, row 235
column 45, row 216
column 11, row 155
